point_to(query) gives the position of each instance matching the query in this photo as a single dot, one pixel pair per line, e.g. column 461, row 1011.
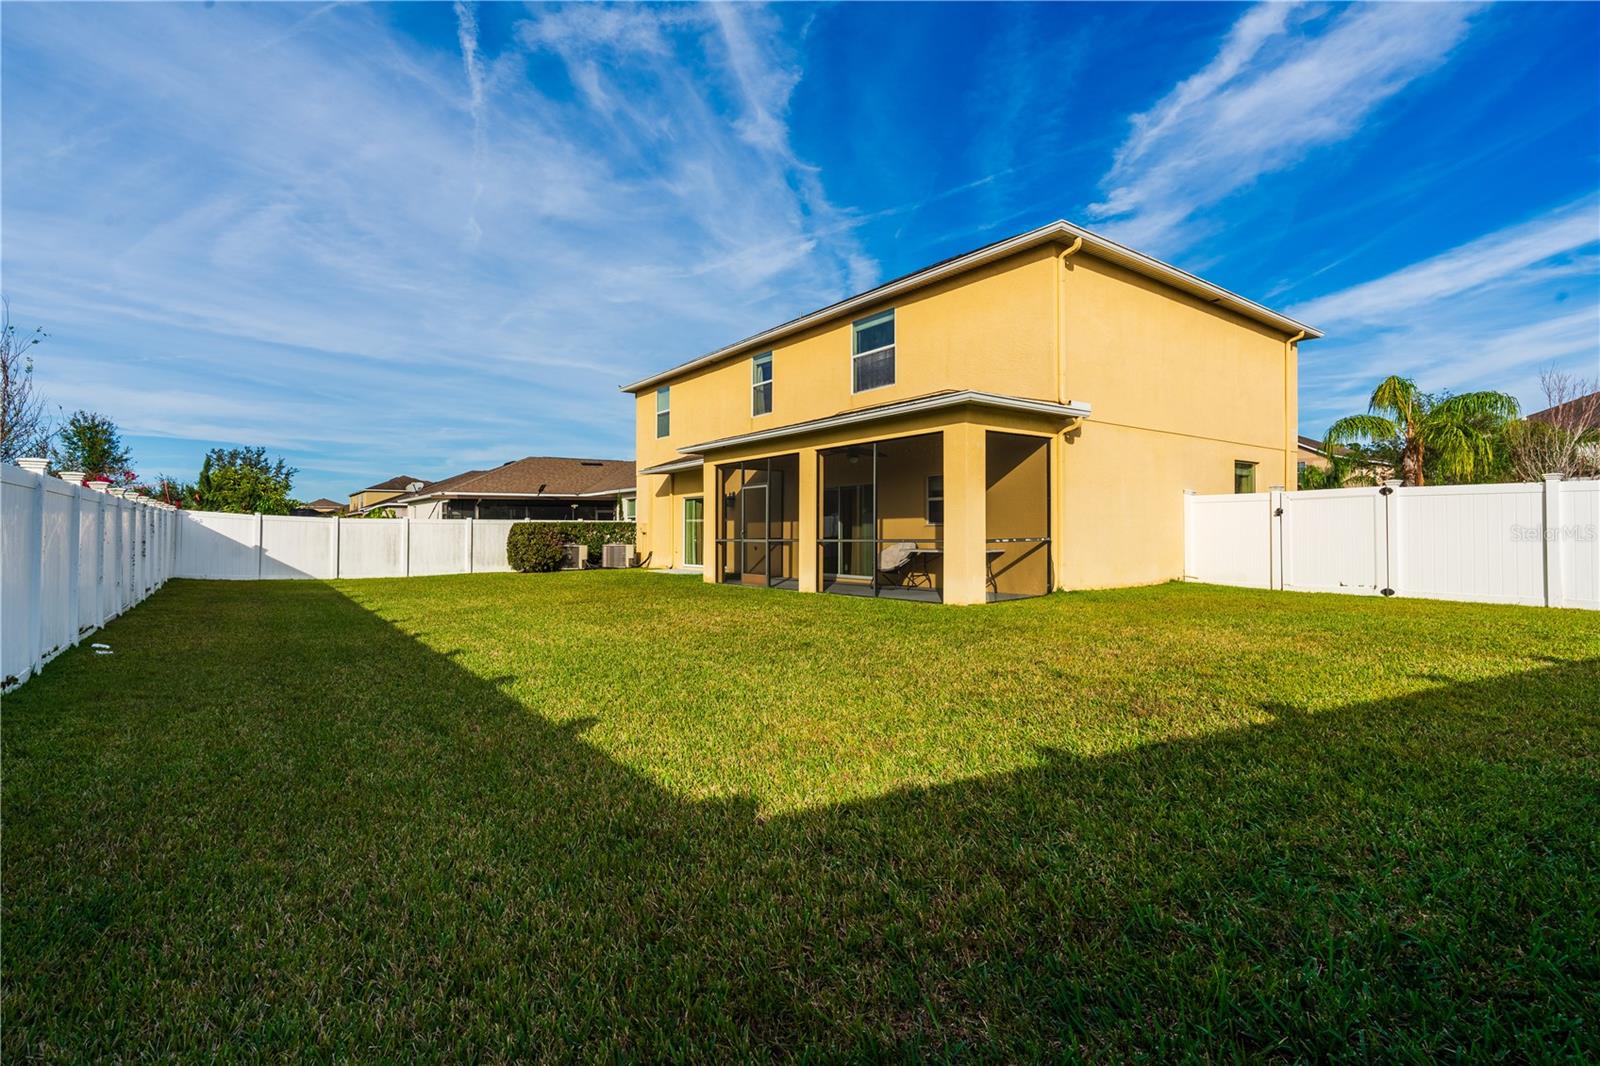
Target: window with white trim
column 761, row 384
column 872, row 352
column 663, row 410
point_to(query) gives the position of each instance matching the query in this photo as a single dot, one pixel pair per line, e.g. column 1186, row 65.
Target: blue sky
column 415, row 239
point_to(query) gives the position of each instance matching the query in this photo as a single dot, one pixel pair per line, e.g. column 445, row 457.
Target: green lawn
column 632, row 816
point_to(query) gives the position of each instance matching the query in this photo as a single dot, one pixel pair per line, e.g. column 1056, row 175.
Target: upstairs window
column 761, row 384
column 1244, row 477
column 872, row 357
column 663, row 410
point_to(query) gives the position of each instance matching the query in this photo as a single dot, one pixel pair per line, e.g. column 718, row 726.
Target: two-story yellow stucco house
column 1021, row 418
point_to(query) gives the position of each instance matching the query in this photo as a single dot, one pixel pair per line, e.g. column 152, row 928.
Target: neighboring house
column 319, row 508
column 1021, row 418
column 1313, row 453
column 382, row 492
column 538, row 487
column 1579, row 415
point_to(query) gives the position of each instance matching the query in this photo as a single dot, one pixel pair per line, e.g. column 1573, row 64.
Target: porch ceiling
column 920, row 405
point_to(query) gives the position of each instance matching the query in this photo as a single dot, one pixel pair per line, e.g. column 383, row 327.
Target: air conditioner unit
column 616, row 556
column 575, row 554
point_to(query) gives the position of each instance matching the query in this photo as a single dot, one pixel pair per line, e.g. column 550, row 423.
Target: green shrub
column 535, row 548
column 592, row 535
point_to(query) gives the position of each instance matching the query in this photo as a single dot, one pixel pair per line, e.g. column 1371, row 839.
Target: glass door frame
column 700, row 539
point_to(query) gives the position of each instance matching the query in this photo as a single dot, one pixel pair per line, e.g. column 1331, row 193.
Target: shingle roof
column 1574, row 408
column 542, row 475
column 398, row 484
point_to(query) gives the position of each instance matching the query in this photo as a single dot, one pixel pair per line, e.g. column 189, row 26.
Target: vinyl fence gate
column 1529, row 543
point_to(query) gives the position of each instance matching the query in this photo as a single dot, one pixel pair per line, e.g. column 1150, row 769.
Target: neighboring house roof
column 394, row 484
column 932, row 402
column 535, row 476
column 325, row 504
column 1055, row 232
column 1311, row 444
column 1573, row 407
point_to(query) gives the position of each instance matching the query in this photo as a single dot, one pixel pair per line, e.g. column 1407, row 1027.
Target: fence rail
column 249, row 547
column 1531, row 543
column 72, row 559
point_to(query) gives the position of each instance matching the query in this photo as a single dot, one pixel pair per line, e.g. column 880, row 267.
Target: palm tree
column 1456, row 434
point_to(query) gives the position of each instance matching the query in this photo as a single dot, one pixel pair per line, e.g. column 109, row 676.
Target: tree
column 171, row 491
column 244, row 481
column 92, row 443
column 1453, row 438
column 1562, row 439
column 24, row 425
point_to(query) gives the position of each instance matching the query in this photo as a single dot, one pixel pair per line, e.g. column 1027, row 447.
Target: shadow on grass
column 306, row 833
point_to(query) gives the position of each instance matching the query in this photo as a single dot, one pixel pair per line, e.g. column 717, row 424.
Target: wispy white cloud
column 1488, row 314
column 467, row 35
column 1287, row 79
column 1500, row 258
column 256, row 231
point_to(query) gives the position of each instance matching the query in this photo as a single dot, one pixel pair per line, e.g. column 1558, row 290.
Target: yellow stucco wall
column 659, row 527
column 1180, row 391
column 368, row 497
column 990, row 329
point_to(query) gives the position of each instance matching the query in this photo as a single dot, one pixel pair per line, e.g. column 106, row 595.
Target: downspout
column 1061, row 317
column 1058, row 497
column 1291, row 432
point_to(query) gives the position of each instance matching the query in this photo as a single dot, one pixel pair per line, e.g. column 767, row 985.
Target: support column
column 810, row 525
column 710, row 524
column 965, row 514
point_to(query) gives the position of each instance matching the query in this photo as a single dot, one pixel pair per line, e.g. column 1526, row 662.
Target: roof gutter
column 940, row 401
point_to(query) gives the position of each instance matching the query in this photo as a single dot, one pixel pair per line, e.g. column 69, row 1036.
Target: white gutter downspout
column 1061, row 318
column 1291, row 411
column 1058, row 520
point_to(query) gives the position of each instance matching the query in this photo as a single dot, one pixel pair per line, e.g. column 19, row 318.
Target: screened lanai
column 882, row 511
column 757, row 532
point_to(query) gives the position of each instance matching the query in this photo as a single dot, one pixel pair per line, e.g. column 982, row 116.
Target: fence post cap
column 1554, row 477
column 99, row 484
column 1393, row 482
column 71, row 477
column 34, row 465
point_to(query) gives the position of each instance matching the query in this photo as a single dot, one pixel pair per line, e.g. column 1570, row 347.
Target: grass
column 632, row 816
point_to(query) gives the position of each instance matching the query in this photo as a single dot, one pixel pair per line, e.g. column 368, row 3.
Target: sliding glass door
column 847, row 531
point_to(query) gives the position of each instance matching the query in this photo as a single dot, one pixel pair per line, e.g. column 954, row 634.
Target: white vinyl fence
column 248, row 547
column 1536, row 543
column 72, row 559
